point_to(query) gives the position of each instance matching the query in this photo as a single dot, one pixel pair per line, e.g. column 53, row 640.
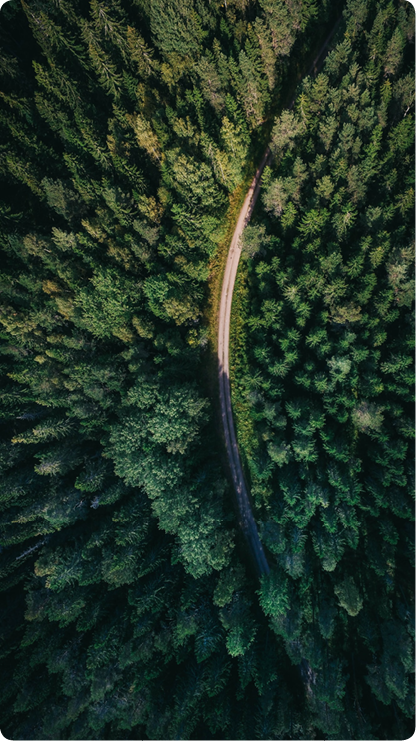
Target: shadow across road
column 246, row 518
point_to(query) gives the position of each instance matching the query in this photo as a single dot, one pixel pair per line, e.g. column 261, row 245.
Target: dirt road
column 247, row 522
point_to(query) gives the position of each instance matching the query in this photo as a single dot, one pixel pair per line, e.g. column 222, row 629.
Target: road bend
column 247, row 521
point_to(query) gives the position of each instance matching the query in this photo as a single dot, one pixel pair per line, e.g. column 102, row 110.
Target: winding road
column 247, row 521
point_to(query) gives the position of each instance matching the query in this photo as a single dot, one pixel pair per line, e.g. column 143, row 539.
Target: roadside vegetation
column 323, row 376
column 126, row 127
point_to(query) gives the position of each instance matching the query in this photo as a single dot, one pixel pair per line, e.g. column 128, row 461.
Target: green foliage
column 127, row 129
column 349, row 596
column 326, row 340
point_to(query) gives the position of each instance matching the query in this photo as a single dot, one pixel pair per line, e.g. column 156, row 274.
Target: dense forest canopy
column 128, row 606
column 323, row 370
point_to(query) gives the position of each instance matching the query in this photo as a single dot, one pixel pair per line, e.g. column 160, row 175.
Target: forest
column 129, row 606
column 323, row 372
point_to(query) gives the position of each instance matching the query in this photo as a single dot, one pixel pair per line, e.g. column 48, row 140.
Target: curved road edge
column 247, row 521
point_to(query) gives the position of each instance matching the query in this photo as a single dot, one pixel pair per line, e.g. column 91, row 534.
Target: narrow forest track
column 246, row 521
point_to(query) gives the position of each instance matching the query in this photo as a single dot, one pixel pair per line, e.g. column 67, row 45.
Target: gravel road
column 247, row 521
